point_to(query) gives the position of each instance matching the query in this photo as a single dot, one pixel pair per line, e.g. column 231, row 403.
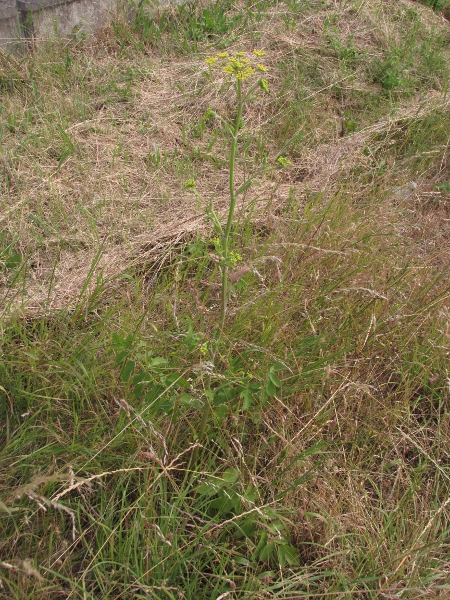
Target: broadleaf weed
column 324, row 392
column 245, row 72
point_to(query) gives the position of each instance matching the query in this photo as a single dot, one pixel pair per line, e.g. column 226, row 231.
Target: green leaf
column 274, row 379
column 247, row 398
column 270, row 388
column 140, row 383
column 168, row 380
column 276, row 527
column 226, row 504
column 128, row 370
column 140, row 376
column 158, row 362
column 223, row 394
column 231, row 475
column 207, row 489
column 13, row 261
column 121, row 343
column 244, row 187
column 267, row 551
column 120, row 357
column 288, row 555
column 251, row 494
column 221, row 413
column 240, row 560
column 189, row 400
column 154, row 394
column 248, row 527
column 261, row 544
column 278, row 366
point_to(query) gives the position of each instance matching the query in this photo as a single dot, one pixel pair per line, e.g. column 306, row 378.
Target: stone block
column 9, row 26
column 62, row 18
column 7, row 9
column 38, row 4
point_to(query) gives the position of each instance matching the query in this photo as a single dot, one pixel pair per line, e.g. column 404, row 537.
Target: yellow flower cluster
column 238, row 65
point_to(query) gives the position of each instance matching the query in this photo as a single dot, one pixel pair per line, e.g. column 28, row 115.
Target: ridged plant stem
column 227, row 232
column 225, row 259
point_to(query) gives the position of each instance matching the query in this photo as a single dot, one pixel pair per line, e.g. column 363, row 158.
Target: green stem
column 225, row 256
column 226, row 235
column 203, row 422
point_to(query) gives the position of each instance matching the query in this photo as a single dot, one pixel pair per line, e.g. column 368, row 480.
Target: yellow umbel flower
column 238, row 65
column 239, row 68
column 283, row 161
column 245, row 73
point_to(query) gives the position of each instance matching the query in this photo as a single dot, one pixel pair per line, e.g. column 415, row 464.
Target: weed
column 215, row 23
column 347, row 53
column 322, row 469
column 436, row 5
column 390, row 73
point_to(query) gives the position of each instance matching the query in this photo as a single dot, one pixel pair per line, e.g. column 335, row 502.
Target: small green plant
column 348, row 54
column 188, row 25
column 241, row 68
column 157, row 158
column 443, row 187
column 247, row 75
column 10, row 259
column 436, row 5
column 66, row 148
column 349, row 123
column 390, row 73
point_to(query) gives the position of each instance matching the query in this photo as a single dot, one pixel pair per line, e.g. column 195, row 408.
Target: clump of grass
column 324, row 452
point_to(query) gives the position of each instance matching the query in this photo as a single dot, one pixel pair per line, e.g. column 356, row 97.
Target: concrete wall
column 22, row 21
column 9, row 25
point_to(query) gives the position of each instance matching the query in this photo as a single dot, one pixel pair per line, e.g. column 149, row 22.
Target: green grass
column 324, row 468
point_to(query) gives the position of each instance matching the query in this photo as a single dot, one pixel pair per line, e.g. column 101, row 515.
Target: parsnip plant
column 247, row 76
column 246, row 72
column 241, row 68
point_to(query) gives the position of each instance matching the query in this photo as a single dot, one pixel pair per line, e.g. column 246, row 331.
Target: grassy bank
column 324, row 469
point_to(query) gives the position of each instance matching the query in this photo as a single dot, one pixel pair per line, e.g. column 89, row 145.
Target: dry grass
column 345, row 284
column 139, row 209
column 105, row 193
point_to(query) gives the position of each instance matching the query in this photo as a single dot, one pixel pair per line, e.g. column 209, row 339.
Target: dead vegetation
column 343, row 286
column 108, row 168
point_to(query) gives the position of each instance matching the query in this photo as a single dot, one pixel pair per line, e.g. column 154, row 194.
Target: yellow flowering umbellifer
column 239, row 64
column 239, row 68
column 283, row 161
